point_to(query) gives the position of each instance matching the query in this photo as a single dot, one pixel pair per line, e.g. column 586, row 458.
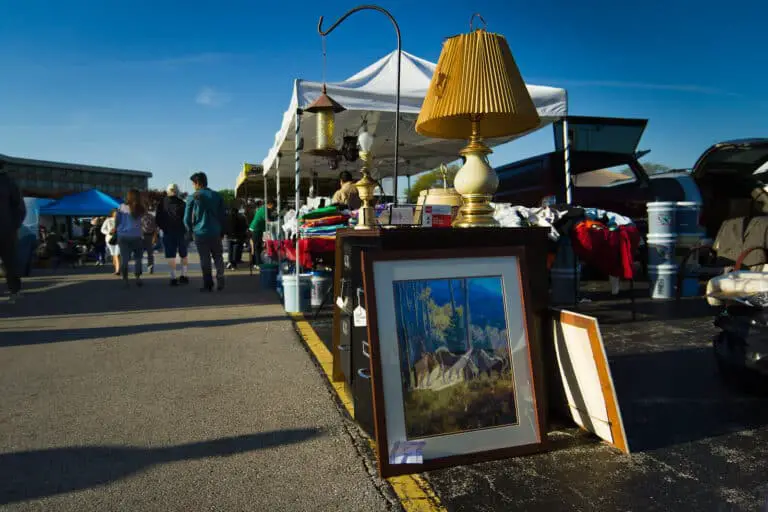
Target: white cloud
column 210, row 97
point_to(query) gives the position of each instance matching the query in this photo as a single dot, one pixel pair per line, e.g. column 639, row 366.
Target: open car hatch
column 742, row 157
column 601, row 134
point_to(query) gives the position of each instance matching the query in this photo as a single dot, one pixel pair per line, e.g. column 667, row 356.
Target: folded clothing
column 327, row 221
column 320, row 212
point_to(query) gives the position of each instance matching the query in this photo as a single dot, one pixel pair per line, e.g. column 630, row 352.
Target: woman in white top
column 108, row 229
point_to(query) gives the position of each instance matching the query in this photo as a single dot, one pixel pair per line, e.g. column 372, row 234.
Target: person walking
column 108, row 230
column 170, row 219
column 149, row 239
column 129, row 236
column 98, row 241
column 204, row 217
column 237, row 232
column 258, row 227
column 12, row 213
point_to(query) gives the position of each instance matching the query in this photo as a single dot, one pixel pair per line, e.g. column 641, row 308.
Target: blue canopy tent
column 90, row 203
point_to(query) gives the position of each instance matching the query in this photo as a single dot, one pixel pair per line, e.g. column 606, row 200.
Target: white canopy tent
column 369, row 94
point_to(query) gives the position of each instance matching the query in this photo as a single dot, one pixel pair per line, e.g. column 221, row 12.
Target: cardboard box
column 437, row 216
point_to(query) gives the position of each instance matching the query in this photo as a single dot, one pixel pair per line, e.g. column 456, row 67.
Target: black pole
column 397, row 91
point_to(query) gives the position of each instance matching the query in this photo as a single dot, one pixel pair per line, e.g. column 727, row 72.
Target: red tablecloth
column 309, row 249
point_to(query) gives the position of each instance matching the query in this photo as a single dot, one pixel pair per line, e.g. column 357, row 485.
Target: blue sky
column 174, row 87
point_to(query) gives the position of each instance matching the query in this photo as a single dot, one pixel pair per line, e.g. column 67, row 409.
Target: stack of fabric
column 323, row 222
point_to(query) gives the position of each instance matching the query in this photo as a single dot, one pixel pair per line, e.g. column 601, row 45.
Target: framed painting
column 451, row 357
column 592, row 400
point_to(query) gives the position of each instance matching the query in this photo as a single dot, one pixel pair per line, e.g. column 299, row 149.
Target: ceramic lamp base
column 476, row 181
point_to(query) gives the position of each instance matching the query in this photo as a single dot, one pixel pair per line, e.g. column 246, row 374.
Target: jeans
column 235, row 251
column 211, row 248
column 8, row 253
column 130, row 248
column 258, row 239
column 150, row 248
column 101, row 252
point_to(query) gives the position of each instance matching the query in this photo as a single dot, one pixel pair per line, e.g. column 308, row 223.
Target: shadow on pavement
column 105, row 294
column 39, row 473
column 676, row 396
column 20, row 338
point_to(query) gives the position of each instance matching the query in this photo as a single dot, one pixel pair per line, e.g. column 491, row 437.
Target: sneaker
column 207, row 288
column 139, row 283
column 12, row 298
column 230, row 266
column 220, row 286
column 174, row 282
column 151, row 269
column 183, row 280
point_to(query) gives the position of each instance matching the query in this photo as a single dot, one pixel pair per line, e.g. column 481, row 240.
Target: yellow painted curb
column 413, row 491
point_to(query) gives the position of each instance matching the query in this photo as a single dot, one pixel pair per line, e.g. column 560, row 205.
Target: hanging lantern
column 325, row 109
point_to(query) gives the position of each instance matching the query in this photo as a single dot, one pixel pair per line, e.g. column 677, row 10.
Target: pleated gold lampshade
column 476, row 75
column 476, row 92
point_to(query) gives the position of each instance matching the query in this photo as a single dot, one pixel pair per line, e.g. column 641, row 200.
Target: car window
column 609, row 177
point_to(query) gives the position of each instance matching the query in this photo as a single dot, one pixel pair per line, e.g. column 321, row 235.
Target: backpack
column 148, row 224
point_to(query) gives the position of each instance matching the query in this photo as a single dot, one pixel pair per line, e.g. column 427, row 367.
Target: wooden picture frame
column 498, row 355
column 591, row 397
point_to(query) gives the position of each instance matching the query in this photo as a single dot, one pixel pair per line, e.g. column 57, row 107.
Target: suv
column 605, row 171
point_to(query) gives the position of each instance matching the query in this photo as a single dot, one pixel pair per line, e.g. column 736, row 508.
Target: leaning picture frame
column 452, row 358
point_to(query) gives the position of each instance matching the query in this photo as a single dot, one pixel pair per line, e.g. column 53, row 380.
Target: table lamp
column 366, row 217
column 476, row 92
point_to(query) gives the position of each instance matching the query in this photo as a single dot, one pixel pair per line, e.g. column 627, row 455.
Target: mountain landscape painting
column 455, row 360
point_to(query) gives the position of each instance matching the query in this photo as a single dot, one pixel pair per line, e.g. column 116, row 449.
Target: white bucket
column 661, row 249
column 661, row 217
column 305, row 293
column 663, row 281
column 320, row 285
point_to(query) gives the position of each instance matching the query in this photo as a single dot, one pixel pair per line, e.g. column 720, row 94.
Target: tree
column 651, row 168
column 228, row 195
column 433, row 178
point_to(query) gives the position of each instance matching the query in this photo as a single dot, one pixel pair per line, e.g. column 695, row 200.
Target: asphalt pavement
column 160, row 398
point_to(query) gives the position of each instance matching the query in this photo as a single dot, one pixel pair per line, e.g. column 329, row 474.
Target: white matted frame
column 381, row 271
column 587, row 381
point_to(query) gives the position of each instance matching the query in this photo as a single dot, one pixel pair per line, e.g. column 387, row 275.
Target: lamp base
column 476, row 212
column 476, row 181
column 366, row 218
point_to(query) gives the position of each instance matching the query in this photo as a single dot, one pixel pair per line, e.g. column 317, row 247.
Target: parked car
column 729, row 179
column 604, row 167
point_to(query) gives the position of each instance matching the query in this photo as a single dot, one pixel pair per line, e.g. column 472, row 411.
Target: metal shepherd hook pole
column 397, row 90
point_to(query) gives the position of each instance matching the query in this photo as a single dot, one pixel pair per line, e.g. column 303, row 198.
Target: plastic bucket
column 268, row 276
column 661, row 249
column 564, row 285
column 687, row 217
column 663, row 281
column 661, row 218
column 690, row 286
column 321, row 283
column 305, row 293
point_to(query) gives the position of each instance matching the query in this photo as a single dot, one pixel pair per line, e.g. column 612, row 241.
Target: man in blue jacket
column 204, row 217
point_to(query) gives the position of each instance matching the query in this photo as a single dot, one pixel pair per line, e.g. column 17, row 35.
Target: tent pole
column 397, row 78
column 277, row 193
column 298, row 145
column 567, row 156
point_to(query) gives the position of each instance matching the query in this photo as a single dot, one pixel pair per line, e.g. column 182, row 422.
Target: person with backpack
column 204, row 216
column 170, row 219
column 129, row 234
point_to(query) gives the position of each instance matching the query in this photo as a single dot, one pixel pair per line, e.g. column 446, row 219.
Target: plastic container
column 268, row 276
column 687, row 217
column 663, row 281
column 304, row 304
column 690, row 286
column 661, row 249
column 661, row 218
column 321, row 283
column 564, row 285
